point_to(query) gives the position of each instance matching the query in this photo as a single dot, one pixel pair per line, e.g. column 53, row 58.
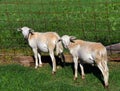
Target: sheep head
column 26, row 31
column 66, row 40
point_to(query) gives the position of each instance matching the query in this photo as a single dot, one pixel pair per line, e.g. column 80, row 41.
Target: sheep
column 43, row 42
column 87, row 52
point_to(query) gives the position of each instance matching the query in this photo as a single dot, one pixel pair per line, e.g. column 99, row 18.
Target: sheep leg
column 35, row 55
column 62, row 59
column 82, row 71
column 53, row 62
column 75, row 59
column 40, row 62
column 104, row 69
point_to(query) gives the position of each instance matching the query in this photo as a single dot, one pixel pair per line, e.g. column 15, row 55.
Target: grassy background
column 96, row 20
column 18, row 78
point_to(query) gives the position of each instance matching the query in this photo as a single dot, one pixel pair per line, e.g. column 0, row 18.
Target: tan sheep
column 44, row 42
column 88, row 52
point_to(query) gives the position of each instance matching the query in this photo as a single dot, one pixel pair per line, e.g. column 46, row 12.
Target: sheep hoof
column 59, row 67
column 106, row 86
column 40, row 65
column 75, row 78
column 83, row 77
column 53, row 72
column 35, row 67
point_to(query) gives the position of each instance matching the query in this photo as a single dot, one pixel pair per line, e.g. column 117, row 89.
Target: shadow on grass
column 46, row 59
column 87, row 67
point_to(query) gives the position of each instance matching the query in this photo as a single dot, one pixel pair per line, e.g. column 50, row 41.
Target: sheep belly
column 86, row 58
column 43, row 47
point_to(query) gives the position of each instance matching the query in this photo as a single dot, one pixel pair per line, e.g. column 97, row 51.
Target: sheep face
column 66, row 40
column 25, row 31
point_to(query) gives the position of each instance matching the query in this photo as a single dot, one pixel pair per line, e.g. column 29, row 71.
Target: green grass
column 18, row 78
column 96, row 20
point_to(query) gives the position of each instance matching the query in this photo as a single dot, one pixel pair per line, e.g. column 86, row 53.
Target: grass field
column 14, row 77
column 96, row 20
column 92, row 20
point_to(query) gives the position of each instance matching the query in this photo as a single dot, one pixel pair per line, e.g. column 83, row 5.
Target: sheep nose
column 25, row 37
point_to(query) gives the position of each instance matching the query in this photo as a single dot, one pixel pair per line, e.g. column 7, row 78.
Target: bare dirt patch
column 29, row 60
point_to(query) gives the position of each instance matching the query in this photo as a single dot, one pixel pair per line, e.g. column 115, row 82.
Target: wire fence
column 88, row 20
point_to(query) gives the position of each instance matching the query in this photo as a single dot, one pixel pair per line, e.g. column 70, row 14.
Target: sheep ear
column 19, row 29
column 72, row 38
column 59, row 40
column 31, row 31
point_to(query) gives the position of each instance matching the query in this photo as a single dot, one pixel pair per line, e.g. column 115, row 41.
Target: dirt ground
column 29, row 60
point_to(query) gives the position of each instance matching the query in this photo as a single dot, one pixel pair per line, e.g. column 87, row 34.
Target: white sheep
column 87, row 52
column 43, row 42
